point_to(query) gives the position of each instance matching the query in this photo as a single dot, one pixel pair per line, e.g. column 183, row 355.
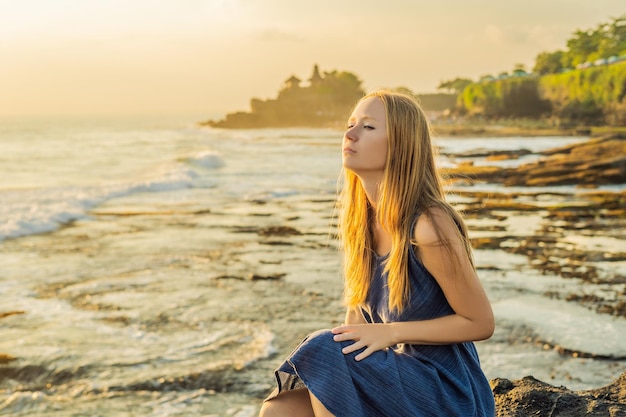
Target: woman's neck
column 371, row 187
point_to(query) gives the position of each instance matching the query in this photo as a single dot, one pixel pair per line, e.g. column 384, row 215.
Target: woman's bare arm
column 354, row 316
column 473, row 317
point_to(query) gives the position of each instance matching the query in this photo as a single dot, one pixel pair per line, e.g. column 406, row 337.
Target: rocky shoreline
column 597, row 213
column 276, row 263
column 599, row 161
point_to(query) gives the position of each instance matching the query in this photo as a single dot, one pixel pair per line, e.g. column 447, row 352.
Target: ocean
column 151, row 267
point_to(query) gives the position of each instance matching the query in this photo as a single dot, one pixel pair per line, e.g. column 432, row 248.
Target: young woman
column 414, row 301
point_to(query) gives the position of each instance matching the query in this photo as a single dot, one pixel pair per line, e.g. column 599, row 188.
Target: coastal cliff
column 324, row 100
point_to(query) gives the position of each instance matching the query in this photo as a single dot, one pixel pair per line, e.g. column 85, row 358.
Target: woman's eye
column 368, row 127
column 349, row 126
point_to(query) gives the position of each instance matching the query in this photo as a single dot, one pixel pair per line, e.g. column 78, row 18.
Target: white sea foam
column 32, row 211
column 207, row 159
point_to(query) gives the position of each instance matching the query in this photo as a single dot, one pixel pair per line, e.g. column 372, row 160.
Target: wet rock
column 6, row 358
column 11, row 313
column 214, row 381
column 279, row 231
column 272, row 277
column 220, row 277
column 487, row 242
column 596, row 162
column 36, row 377
column 548, row 255
column 613, row 307
column 531, row 397
column 573, row 238
column 245, row 229
column 491, row 154
column 277, row 243
column 483, row 208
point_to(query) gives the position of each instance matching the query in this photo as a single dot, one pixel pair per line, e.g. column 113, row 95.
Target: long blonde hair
column 411, row 184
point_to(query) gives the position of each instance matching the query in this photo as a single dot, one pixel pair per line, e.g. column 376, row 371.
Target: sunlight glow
column 69, row 56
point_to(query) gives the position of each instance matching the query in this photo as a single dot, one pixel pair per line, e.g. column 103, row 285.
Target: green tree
column 607, row 40
column 582, row 46
column 548, row 62
column 615, row 44
column 454, row 86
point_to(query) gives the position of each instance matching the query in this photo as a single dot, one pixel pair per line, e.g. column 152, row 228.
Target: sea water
column 108, row 227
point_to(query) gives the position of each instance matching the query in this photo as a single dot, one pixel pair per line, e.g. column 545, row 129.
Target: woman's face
column 365, row 141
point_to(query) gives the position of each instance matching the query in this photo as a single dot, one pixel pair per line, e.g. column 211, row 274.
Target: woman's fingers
column 364, row 354
column 345, row 336
column 352, row 348
column 342, row 329
column 365, row 336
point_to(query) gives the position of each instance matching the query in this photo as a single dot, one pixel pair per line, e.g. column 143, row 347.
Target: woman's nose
column 351, row 135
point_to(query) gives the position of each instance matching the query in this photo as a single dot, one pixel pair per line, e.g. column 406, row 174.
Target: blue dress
column 404, row 380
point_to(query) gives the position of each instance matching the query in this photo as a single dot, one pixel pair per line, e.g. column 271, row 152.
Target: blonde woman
column 414, row 301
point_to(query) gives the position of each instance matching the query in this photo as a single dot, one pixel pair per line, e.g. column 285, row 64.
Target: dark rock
column 279, row 231
column 531, row 397
column 272, row 277
column 11, row 313
column 6, row 358
column 598, row 161
column 494, row 154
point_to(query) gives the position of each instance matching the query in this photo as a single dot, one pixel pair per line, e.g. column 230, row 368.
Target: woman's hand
column 371, row 336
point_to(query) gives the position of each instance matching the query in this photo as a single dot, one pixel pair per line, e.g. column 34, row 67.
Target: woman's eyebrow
column 362, row 118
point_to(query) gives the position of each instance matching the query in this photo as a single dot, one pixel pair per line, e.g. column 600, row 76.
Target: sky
column 91, row 57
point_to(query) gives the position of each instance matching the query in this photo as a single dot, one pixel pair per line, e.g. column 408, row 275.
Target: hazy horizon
column 210, row 57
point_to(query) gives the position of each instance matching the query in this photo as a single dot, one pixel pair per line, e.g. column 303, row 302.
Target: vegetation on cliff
column 588, row 95
column 511, row 97
column 604, row 43
column 585, row 84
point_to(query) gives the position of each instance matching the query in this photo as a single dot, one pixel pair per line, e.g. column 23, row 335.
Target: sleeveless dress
column 404, row 380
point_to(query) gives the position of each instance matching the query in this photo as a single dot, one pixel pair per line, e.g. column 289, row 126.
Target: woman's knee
column 288, row 404
column 267, row 410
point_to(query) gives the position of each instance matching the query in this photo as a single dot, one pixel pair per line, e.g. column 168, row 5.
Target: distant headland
column 325, row 100
column 580, row 87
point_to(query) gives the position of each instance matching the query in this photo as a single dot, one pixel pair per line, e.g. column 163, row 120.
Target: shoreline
column 519, row 128
column 278, row 258
column 266, row 272
column 473, row 128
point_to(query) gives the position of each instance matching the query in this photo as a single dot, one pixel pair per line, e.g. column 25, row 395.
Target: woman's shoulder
column 432, row 225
